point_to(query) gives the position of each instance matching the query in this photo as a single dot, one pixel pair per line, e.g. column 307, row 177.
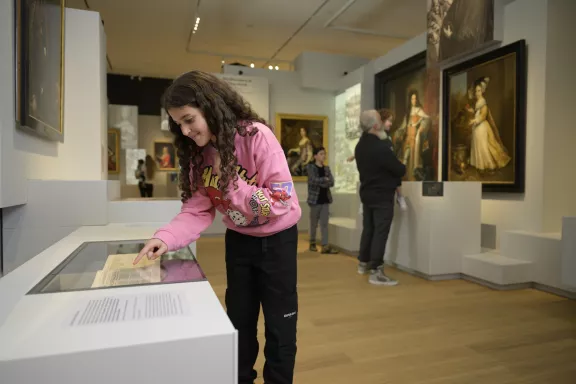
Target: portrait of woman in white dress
column 487, row 152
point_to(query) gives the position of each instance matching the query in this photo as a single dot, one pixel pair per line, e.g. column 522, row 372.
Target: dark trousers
column 377, row 221
column 146, row 189
column 263, row 270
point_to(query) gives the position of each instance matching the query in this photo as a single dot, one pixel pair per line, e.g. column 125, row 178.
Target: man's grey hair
column 368, row 119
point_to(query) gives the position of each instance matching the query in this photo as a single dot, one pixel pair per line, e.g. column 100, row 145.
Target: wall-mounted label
column 433, row 188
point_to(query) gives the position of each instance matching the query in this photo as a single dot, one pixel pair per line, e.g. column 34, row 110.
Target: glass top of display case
column 97, row 265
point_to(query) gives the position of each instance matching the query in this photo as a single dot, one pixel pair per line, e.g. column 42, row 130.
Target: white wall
column 560, row 138
column 12, row 178
column 54, row 209
column 324, row 70
column 255, row 90
column 526, row 19
column 287, row 96
column 80, row 157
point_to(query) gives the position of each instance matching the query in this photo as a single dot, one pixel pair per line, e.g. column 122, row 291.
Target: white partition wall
column 55, row 208
column 568, row 265
column 80, row 156
column 255, row 90
column 61, row 184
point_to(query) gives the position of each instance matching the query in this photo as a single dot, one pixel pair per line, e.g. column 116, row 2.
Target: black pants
column 377, row 221
column 263, row 270
column 146, row 189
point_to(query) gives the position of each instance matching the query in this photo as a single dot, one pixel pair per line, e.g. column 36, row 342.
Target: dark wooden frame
column 409, row 65
column 519, row 49
column 24, row 121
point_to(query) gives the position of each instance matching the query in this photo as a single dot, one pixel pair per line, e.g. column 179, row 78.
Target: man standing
column 380, row 174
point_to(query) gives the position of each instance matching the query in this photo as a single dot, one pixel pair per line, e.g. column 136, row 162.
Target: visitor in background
column 143, row 173
column 140, row 175
column 231, row 161
column 386, row 114
column 380, row 175
column 320, row 180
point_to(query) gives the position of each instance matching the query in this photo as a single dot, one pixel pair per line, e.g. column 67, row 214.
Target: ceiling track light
column 196, row 25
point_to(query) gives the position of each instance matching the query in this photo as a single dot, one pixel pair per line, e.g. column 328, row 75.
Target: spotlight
column 251, row 65
column 276, row 68
column 223, row 62
column 270, row 67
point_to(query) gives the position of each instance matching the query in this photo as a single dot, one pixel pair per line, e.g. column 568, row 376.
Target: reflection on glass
column 97, row 265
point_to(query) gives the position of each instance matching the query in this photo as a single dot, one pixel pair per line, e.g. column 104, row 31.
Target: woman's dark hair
column 225, row 112
column 150, row 167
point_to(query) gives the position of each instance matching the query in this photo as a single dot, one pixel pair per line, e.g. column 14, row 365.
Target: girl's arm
column 274, row 196
column 196, row 215
column 276, row 192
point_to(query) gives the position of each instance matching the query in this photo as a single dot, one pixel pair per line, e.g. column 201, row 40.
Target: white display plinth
column 40, row 342
column 434, row 233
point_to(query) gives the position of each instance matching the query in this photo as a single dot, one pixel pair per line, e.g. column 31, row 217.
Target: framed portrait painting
column 165, row 156
column 299, row 135
column 40, row 67
column 484, row 109
column 113, row 150
column 401, row 89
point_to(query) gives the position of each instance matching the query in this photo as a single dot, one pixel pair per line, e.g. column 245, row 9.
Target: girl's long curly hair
column 226, row 113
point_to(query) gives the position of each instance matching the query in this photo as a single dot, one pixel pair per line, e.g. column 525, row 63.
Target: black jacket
column 380, row 170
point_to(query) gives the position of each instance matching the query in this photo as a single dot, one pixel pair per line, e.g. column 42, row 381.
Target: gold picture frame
column 113, row 152
column 298, row 136
column 165, row 155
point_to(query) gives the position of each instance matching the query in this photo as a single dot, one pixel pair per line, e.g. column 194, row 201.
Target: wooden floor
column 419, row 332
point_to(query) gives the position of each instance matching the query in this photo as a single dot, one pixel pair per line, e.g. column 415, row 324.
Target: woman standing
column 231, row 161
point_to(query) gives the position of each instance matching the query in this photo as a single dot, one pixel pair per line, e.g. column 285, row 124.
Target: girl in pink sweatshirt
column 231, row 161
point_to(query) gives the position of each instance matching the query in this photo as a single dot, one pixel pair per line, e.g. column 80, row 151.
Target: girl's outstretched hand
column 153, row 249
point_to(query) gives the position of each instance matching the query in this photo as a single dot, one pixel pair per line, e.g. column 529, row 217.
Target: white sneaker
column 402, row 202
column 378, row 277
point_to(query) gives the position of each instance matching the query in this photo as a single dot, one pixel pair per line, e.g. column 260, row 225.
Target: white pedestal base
column 434, row 233
column 569, row 251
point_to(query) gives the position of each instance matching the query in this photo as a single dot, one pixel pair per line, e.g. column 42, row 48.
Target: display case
column 83, row 305
column 107, row 264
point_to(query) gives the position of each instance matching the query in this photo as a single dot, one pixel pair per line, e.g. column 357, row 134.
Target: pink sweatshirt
column 265, row 202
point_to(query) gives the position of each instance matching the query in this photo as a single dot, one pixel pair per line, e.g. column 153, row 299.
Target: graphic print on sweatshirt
column 259, row 204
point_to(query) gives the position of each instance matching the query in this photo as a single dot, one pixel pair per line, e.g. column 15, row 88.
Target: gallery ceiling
column 153, row 37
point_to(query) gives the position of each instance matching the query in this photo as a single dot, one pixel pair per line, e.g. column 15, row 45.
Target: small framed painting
column 165, row 156
column 113, row 150
column 484, row 102
column 299, row 135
